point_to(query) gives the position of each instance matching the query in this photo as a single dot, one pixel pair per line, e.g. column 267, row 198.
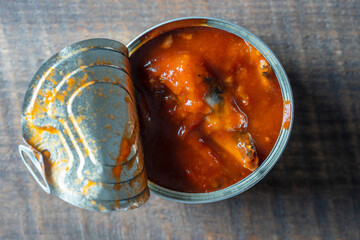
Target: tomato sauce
column 210, row 108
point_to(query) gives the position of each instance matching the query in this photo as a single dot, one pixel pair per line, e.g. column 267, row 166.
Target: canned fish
column 168, row 35
column 80, row 123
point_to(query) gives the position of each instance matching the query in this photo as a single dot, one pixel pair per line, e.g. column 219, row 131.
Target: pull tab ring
column 30, row 153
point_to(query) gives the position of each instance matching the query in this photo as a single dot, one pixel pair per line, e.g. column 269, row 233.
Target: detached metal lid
column 80, row 123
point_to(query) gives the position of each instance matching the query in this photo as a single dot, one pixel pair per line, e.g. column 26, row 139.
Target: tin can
column 287, row 95
column 80, row 124
column 67, row 134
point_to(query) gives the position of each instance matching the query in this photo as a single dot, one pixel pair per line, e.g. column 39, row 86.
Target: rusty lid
column 80, row 124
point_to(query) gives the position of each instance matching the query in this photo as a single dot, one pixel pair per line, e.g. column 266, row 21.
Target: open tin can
column 80, row 123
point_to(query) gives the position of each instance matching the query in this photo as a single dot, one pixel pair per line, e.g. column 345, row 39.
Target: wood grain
column 312, row 193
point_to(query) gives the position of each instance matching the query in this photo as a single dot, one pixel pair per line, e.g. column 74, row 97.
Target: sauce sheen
column 210, row 108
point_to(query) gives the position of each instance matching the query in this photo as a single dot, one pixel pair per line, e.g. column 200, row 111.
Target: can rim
column 284, row 134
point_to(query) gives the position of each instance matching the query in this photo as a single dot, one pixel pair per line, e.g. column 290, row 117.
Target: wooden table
column 312, row 193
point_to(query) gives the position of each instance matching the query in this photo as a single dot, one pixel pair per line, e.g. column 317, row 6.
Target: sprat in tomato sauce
column 210, row 108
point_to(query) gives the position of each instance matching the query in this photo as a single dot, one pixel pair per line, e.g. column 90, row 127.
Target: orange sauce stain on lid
column 50, row 76
column 35, row 139
column 125, row 150
column 37, row 110
column 71, row 82
column 127, row 141
column 101, row 208
column 87, row 186
column 117, row 171
column 116, row 204
column 102, row 62
column 46, row 154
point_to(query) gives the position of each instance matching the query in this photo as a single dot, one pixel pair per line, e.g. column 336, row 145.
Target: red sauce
column 210, row 108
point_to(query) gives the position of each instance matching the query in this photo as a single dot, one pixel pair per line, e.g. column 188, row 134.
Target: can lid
column 80, row 123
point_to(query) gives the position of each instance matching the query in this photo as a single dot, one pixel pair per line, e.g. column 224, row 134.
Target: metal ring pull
column 32, row 154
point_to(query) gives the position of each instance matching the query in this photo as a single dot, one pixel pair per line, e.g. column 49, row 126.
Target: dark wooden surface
column 312, row 193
